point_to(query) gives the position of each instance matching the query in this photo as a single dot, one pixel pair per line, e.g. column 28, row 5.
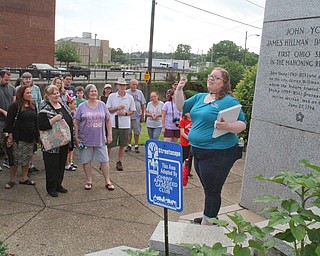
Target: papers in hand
column 229, row 115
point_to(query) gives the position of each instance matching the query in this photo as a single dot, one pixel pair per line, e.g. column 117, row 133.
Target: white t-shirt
column 115, row 100
column 154, row 110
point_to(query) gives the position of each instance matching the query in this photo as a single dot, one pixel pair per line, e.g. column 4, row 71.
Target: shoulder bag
column 56, row 137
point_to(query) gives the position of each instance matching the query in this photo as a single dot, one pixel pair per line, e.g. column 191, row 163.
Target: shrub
column 244, row 92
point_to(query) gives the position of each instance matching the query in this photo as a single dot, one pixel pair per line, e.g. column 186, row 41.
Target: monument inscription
column 290, row 74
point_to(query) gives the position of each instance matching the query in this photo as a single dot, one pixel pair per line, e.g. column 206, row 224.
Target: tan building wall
column 91, row 51
column 27, row 32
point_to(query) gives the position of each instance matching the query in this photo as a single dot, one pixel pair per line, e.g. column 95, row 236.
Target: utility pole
column 150, row 49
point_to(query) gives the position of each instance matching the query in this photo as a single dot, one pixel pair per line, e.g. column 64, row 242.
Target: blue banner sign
column 164, row 174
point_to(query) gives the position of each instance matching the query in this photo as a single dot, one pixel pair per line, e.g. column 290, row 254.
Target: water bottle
column 82, row 146
column 241, row 142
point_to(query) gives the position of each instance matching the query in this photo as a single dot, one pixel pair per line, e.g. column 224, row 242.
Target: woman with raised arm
column 213, row 157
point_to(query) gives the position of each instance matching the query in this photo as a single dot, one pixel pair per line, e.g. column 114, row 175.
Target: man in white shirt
column 121, row 106
column 138, row 117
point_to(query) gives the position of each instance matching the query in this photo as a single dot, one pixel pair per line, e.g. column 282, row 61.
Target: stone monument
column 285, row 124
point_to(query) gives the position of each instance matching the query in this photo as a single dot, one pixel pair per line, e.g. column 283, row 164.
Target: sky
column 126, row 23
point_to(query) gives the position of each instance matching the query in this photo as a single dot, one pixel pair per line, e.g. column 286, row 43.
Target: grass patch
column 144, row 135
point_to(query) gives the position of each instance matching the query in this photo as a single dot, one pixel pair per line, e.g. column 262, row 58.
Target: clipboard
column 229, row 115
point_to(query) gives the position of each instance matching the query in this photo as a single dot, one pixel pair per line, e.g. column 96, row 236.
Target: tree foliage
column 118, row 56
column 183, row 52
column 224, row 48
column 244, row 92
column 66, row 52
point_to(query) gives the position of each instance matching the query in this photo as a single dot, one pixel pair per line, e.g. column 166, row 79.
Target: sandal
column 27, row 182
column 9, row 185
column 88, row 186
column 110, row 186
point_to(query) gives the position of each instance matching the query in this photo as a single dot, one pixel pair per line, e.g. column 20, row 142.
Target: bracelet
column 126, row 114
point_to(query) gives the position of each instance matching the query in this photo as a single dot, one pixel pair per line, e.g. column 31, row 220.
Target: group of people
column 101, row 123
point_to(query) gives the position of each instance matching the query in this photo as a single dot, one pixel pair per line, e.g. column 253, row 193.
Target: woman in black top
column 21, row 126
column 55, row 159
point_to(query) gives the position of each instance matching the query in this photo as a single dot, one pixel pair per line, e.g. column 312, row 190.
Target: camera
column 176, row 121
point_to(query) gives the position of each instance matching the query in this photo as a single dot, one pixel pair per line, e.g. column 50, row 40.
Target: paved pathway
column 81, row 221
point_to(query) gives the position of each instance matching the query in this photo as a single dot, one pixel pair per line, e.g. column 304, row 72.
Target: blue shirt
column 203, row 116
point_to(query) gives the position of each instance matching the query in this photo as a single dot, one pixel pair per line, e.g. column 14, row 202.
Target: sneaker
column 119, row 166
column 128, row 149
column 6, row 163
column 71, row 169
column 136, row 149
column 34, row 169
column 74, row 165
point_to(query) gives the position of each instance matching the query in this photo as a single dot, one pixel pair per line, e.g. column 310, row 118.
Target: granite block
column 273, row 148
column 274, row 9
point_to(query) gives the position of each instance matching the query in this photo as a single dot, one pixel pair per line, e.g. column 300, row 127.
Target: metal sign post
column 164, row 178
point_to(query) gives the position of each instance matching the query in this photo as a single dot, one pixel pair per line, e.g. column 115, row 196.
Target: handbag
column 56, row 137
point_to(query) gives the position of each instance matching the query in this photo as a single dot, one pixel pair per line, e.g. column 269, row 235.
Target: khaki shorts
column 119, row 137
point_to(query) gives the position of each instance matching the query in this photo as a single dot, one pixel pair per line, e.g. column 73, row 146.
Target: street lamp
column 245, row 47
column 172, row 48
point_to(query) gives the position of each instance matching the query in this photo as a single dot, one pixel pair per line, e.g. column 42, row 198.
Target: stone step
column 184, row 232
column 116, row 251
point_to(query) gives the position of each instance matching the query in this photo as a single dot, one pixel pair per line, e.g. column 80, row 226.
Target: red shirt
column 186, row 124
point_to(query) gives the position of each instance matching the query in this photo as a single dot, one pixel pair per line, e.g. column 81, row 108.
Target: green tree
column 224, row 48
column 183, row 52
column 118, row 56
column 244, row 92
column 66, row 52
column 235, row 70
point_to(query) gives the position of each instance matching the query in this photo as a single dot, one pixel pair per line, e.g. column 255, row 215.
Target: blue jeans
column 154, row 133
column 213, row 167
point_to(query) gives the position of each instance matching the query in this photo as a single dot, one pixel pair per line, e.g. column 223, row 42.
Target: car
column 79, row 71
column 41, row 71
column 115, row 68
column 129, row 72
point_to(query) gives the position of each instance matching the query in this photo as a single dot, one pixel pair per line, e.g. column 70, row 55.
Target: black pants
column 213, row 167
column 54, row 164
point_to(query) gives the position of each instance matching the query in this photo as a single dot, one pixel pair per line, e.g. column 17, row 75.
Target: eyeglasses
column 214, row 77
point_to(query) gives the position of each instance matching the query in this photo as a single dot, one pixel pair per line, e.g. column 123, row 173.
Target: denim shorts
column 89, row 154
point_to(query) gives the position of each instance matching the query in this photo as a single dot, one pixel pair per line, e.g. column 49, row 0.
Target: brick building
column 27, row 32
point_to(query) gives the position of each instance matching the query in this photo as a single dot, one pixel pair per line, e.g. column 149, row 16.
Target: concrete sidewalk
column 81, row 221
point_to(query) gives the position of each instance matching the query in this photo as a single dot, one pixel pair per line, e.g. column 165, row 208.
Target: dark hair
column 226, row 89
column 79, row 88
column 17, row 82
column 4, row 72
column 67, row 75
column 169, row 95
column 21, row 101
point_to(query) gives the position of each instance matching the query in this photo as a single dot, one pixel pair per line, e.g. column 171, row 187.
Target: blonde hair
column 61, row 89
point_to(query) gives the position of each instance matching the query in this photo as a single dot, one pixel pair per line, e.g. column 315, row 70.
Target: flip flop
column 88, row 186
column 110, row 186
column 27, row 182
column 9, row 185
